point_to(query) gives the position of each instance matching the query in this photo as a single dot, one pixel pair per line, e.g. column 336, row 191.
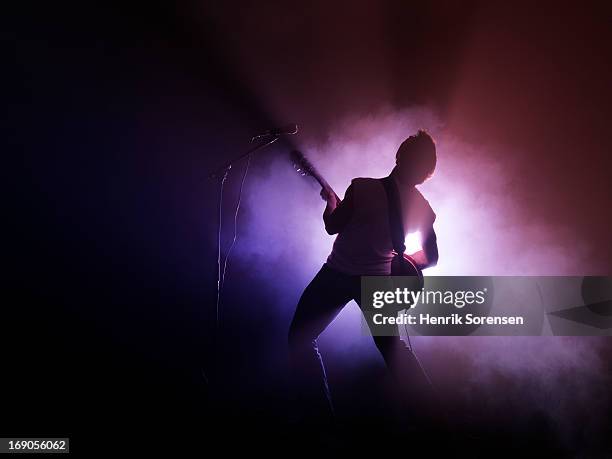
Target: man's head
column 416, row 158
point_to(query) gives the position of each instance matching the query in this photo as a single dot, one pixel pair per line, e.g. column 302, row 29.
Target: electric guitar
column 400, row 266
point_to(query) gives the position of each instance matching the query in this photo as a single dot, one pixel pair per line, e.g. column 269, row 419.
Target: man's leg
column 413, row 383
column 320, row 303
column 403, row 364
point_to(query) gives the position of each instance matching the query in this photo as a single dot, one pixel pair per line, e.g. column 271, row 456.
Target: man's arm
column 337, row 213
column 428, row 256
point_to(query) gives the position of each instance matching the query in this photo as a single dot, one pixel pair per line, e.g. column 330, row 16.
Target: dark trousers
column 322, row 300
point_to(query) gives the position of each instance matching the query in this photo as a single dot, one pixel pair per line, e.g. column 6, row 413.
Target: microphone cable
column 236, row 211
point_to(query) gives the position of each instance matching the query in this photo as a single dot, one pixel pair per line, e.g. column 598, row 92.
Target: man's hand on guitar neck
column 329, row 195
column 337, row 212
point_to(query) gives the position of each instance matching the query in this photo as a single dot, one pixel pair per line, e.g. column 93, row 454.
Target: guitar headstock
column 302, row 165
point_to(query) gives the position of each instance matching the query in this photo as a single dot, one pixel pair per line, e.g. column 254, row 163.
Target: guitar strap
column 396, row 224
column 421, row 378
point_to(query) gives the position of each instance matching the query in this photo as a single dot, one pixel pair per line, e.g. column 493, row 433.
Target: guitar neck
column 319, row 178
column 304, row 167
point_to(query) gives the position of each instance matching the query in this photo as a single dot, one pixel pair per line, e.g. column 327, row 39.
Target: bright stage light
column 413, row 242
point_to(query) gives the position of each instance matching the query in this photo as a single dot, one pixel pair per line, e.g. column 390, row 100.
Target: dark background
column 117, row 112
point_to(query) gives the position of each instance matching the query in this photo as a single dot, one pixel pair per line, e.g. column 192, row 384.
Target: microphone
column 288, row 129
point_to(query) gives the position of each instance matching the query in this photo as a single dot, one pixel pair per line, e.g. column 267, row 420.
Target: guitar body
column 406, row 266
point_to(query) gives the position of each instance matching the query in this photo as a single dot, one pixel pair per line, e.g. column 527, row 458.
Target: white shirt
column 363, row 247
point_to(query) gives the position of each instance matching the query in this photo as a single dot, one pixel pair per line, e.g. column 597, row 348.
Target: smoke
column 484, row 227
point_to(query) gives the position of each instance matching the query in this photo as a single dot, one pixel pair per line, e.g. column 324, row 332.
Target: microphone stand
column 221, row 175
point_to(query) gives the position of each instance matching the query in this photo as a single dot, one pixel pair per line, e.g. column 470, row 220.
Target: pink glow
column 482, row 230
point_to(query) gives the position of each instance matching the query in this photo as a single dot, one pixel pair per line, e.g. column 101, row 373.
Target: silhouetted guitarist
column 363, row 247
